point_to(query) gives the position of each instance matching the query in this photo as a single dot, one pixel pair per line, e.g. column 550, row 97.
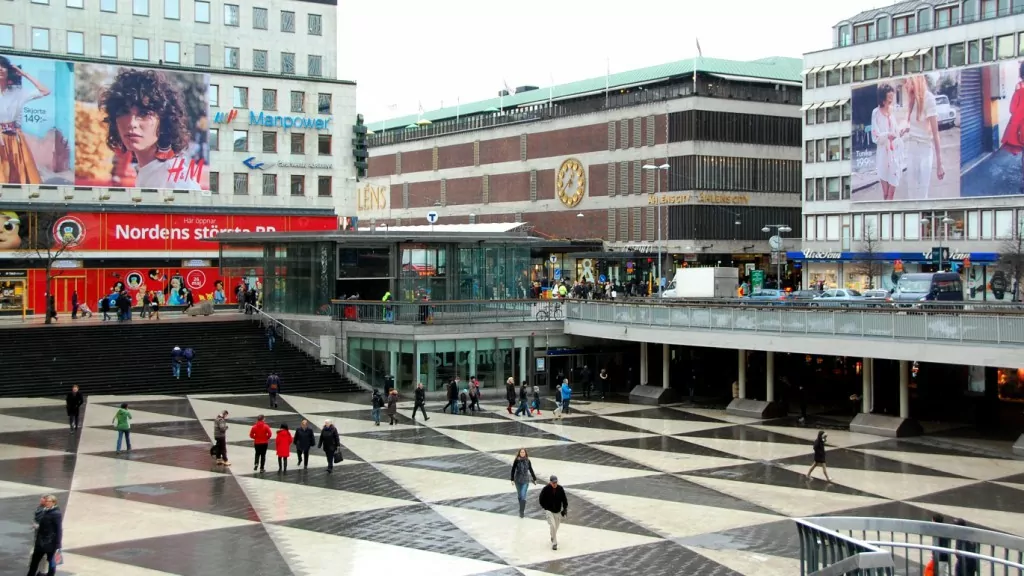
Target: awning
column 850, row 64
column 829, row 67
column 806, row 71
column 735, row 78
column 843, row 65
column 908, row 54
column 922, row 51
column 815, row 106
column 891, row 57
column 814, row 70
column 806, row 107
column 829, row 104
column 866, row 61
column 843, row 102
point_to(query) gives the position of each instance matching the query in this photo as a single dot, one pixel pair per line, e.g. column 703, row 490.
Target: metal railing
column 892, row 323
column 266, row 319
column 832, row 545
column 447, row 312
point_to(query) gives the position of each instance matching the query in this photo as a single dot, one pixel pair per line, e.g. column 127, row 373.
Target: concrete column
column 770, row 378
column 867, row 380
column 742, row 379
column 664, row 366
column 393, row 365
column 471, row 364
column 643, row 363
column 904, row 389
column 524, row 367
column 417, row 365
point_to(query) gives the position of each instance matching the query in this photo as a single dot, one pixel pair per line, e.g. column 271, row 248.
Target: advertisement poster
column 37, row 129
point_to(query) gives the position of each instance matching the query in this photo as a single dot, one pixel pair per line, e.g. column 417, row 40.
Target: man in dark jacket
column 330, row 442
column 303, row 441
column 189, row 355
column 510, row 393
column 273, row 387
column 556, row 506
column 74, row 401
column 49, row 533
column 586, row 380
column 74, row 304
column 420, row 396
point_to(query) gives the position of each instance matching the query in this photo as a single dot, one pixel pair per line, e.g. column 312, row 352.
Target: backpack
column 273, row 386
column 189, row 354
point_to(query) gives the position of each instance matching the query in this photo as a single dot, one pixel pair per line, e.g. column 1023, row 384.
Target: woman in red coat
column 1013, row 136
column 284, row 446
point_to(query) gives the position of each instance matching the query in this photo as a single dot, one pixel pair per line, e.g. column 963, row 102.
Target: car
column 929, row 287
column 767, row 296
column 875, row 294
column 838, row 297
column 944, row 112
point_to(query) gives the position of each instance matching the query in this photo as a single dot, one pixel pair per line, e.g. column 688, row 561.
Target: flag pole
column 551, row 85
column 696, row 56
column 607, row 79
column 458, row 107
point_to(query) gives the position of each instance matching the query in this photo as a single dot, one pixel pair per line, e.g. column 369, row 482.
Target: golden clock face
column 571, row 182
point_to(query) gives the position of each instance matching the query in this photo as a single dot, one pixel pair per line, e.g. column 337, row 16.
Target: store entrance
column 64, row 287
column 12, row 296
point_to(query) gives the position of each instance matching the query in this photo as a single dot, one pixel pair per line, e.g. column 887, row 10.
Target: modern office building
column 569, row 160
column 912, row 146
column 144, row 126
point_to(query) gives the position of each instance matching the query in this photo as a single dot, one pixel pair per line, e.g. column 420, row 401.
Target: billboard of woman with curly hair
column 140, row 128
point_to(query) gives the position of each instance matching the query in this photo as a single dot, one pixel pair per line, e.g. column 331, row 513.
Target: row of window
column 713, row 222
column 832, row 188
column 296, row 184
column 734, row 174
column 297, row 142
column 827, row 112
column 924, row 19
column 962, row 225
column 827, row 150
column 710, row 126
column 172, row 51
column 201, row 13
column 268, row 101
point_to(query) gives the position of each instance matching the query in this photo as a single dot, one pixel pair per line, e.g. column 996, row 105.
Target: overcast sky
column 403, row 52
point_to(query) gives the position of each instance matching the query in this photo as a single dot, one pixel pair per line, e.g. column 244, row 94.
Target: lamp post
column 776, row 244
column 945, row 221
column 654, row 170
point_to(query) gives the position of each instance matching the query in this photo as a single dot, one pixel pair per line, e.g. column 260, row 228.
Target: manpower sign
column 289, row 122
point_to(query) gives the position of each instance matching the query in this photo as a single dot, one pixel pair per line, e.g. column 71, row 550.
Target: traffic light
column 359, row 147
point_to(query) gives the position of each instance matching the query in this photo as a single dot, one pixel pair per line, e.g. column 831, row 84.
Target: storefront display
column 12, row 292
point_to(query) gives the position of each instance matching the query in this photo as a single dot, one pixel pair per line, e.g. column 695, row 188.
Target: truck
column 711, row 282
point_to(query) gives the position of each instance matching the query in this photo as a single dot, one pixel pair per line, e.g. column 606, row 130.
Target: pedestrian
column 376, row 403
column 271, row 337
column 146, row 301
column 966, row 565
column 177, row 357
column 105, row 308
column 51, row 307
column 819, row 455
column 74, row 401
column 941, row 559
column 260, row 434
column 474, row 397
column 522, row 475
column 303, row 441
column 463, row 400
column 556, row 507
column 510, row 393
column 188, row 354
column 330, row 442
column 392, row 406
column 273, row 387
column 220, row 439
column 452, row 395
column 122, row 422
column 524, row 400
column 585, row 381
column 49, row 528
column 536, row 399
column 603, row 382
column 154, row 306
column 566, row 393
column 283, row 443
column 419, row 401
column 74, row 304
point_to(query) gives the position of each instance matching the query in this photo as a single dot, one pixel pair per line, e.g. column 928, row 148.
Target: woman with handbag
column 331, row 444
column 392, row 408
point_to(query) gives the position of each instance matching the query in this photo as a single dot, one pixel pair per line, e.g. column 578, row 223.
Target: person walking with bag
column 261, row 435
column 122, row 422
column 556, row 507
column 522, row 475
column 330, row 442
column 392, row 406
column 49, row 525
column 273, row 387
column 283, row 444
column 304, row 440
column 220, row 439
column 819, row 455
column 420, row 401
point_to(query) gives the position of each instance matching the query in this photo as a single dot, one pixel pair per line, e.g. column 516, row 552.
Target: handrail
column 951, row 551
column 261, row 313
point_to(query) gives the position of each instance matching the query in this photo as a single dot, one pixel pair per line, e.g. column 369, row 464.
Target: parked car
column 803, row 296
column 767, row 296
column 875, row 294
column 928, row 287
column 838, row 297
column 945, row 112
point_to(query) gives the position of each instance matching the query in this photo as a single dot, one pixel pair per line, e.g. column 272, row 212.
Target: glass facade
column 463, row 272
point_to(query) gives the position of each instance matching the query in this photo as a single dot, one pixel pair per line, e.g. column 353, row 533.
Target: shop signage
column 372, row 198
column 225, row 117
column 699, row 198
column 253, row 164
column 289, row 122
column 13, row 273
column 920, row 257
column 812, row 255
column 641, row 248
column 66, row 264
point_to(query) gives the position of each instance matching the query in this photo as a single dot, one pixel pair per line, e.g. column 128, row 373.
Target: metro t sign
column 289, row 122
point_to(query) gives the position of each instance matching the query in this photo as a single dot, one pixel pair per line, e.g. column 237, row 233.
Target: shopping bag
column 337, row 456
column 58, row 558
column 929, row 570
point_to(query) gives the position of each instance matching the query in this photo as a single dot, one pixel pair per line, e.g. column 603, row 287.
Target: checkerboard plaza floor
column 653, row 491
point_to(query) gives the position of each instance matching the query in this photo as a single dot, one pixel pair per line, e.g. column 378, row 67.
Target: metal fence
column 893, row 323
column 447, row 312
column 844, row 545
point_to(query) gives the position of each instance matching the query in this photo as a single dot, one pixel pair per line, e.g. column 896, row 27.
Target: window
column 108, row 5
column 924, row 21
column 202, row 54
column 214, row 182
column 988, row 49
column 846, row 112
column 75, row 3
column 140, row 49
column 172, row 52
column 140, row 7
column 41, row 39
column 76, row 43
column 946, row 17
column 270, row 184
column 809, row 117
column 957, row 57
column 809, row 190
column 269, row 99
column 819, row 116
column 810, row 151
column 108, row 46
column 241, row 184
column 240, row 139
column 973, row 54
column 819, row 195
column 202, row 11
column 832, row 113
column 323, row 143
column 832, row 190
column 298, row 143
column 172, row 9
column 988, row 9
column 298, row 102
column 1004, row 46
column 214, row 138
column 846, row 188
column 844, row 35
column 809, row 81
column 315, row 25
column 313, row 67
column 832, row 77
column 323, row 186
column 912, row 226
column 231, row 15
column 270, row 142
column 902, row 25
column 231, row 57
column 863, row 33
column 820, row 150
column 260, row 18
column 287, row 63
column 6, row 36
column 298, row 185
column 287, row 21
column 240, row 97
column 882, row 28
column 1004, row 224
column 259, row 60
column 846, row 147
column 323, row 103
column 847, row 74
column 213, row 95
column 834, row 149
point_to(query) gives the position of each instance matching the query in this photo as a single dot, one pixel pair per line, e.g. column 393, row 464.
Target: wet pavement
column 653, row 491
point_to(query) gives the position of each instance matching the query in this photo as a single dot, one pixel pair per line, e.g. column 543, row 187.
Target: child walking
column 284, row 447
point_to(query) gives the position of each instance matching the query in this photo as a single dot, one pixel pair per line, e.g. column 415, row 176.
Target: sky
column 406, row 52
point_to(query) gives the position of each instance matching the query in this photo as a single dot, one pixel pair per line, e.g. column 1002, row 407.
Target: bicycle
column 553, row 312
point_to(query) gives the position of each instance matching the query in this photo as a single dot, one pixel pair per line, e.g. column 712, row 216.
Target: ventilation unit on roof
column 522, row 89
column 502, row 93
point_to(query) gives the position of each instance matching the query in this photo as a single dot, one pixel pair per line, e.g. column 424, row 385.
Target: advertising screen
column 945, row 134
column 102, row 125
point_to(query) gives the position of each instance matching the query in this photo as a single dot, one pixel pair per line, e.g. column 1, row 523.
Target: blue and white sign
column 432, row 217
column 288, row 122
column 925, row 256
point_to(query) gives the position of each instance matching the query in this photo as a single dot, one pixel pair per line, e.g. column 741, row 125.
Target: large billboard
column 102, row 125
column 945, row 134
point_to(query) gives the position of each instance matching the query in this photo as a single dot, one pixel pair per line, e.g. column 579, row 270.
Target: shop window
column 1010, row 382
column 973, row 229
column 897, row 226
column 955, row 230
column 986, row 225
column 912, row 226
column 858, row 226
column 1004, row 224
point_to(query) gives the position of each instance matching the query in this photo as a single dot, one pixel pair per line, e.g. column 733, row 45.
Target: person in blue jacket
column 566, row 396
column 177, row 356
column 189, row 354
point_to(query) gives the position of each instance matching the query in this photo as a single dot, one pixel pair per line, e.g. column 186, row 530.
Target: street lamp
column 657, row 191
column 945, row 221
column 776, row 244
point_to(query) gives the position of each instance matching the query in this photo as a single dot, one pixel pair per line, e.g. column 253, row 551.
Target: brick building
column 569, row 160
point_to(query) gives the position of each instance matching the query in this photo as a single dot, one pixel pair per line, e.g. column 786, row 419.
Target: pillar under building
column 751, row 407
column 880, row 424
column 654, row 395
